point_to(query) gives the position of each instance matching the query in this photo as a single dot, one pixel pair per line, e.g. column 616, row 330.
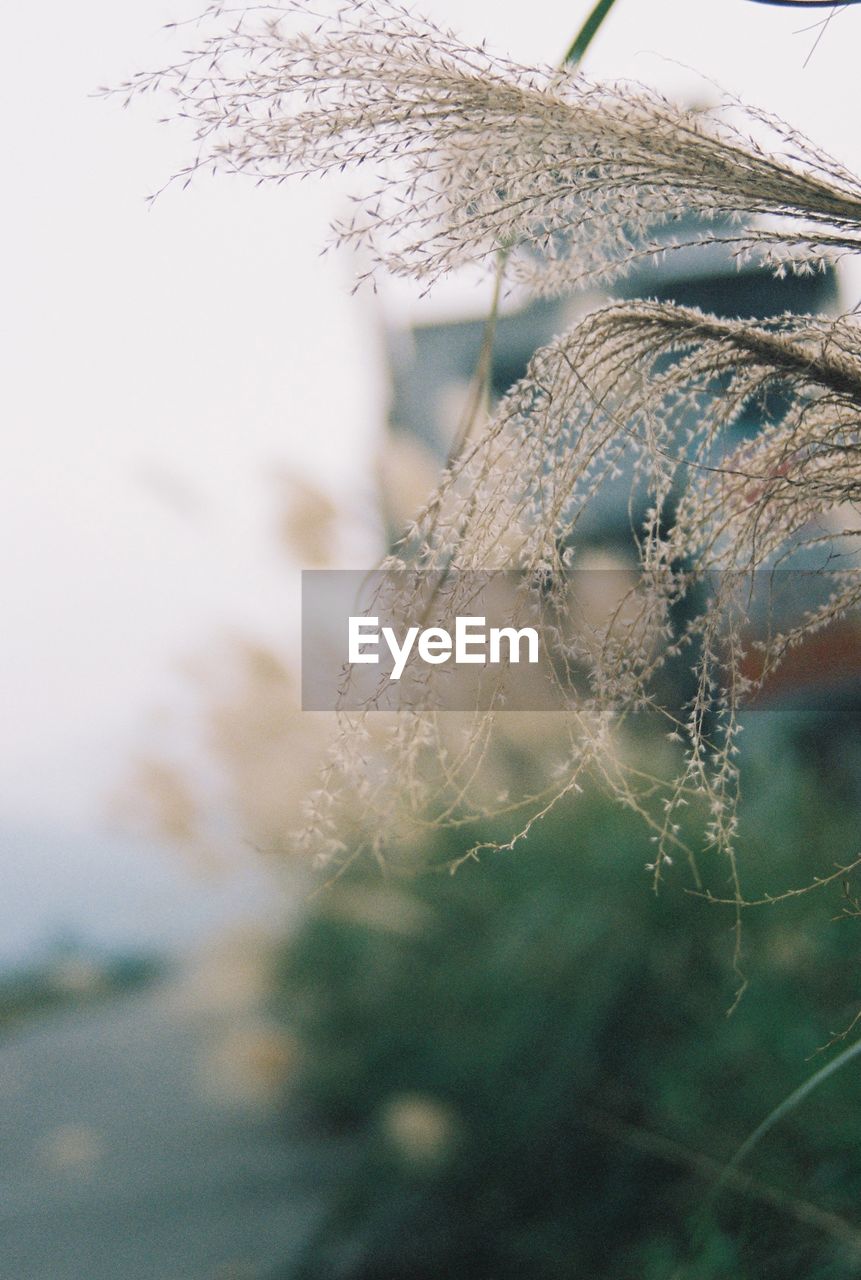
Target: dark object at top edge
column 809, row 4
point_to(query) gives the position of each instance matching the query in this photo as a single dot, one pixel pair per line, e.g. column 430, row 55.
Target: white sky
column 155, row 365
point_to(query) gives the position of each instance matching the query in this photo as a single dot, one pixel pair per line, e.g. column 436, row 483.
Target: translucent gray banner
column 517, row 641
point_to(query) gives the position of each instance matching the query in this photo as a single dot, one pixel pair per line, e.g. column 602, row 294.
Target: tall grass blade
column 588, row 31
column 784, row 1108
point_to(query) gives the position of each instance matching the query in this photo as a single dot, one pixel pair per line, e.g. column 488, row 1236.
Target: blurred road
column 139, row 1140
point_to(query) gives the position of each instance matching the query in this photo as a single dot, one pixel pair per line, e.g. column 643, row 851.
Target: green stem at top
column 588, row 31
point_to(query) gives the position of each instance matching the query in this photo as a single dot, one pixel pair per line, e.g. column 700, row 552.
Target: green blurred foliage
column 536, row 1060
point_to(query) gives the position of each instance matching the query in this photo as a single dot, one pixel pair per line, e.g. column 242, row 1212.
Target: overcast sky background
column 158, row 365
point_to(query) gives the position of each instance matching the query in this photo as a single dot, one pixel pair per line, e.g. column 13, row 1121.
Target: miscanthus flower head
column 472, row 152
column 466, row 156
